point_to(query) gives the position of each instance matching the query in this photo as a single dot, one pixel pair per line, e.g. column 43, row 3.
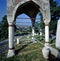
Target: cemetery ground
column 26, row 50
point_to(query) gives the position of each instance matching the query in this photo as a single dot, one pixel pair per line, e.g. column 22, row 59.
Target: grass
column 27, row 52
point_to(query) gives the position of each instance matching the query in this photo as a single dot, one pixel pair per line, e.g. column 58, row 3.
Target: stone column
column 33, row 40
column 11, row 51
column 33, row 31
column 46, row 49
column 46, row 35
column 58, row 35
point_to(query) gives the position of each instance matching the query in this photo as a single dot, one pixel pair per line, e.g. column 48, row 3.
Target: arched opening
column 23, row 22
column 38, row 16
column 31, row 9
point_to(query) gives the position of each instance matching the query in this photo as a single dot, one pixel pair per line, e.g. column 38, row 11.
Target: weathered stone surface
column 30, row 8
column 58, row 35
column 44, row 7
column 42, row 3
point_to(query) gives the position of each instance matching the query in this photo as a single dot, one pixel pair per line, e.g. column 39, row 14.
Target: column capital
column 11, row 48
column 46, row 24
column 11, row 24
column 46, row 42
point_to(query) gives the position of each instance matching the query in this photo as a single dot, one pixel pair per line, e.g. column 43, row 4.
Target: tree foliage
column 4, row 28
column 55, row 14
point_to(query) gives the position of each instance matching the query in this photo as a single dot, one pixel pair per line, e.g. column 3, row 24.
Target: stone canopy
column 29, row 7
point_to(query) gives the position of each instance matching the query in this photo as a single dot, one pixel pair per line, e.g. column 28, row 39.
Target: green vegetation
column 30, row 53
column 3, row 28
column 26, row 51
column 55, row 14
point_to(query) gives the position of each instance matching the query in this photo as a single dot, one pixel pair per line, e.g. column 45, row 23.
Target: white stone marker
column 58, row 35
column 17, row 40
column 33, row 33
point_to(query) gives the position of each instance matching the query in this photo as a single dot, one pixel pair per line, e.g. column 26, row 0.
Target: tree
column 55, row 14
column 4, row 28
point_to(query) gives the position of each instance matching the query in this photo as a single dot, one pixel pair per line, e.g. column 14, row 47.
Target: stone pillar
column 11, row 51
column 58, row 35
column 46, row 35
column 46, row 49
column 33, row 31
column 33, row 39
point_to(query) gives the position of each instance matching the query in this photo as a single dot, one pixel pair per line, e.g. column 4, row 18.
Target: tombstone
column 40, row 32
column 17, row 40
column 58, row 35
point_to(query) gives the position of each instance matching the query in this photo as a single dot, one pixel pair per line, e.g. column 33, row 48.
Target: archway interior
column 24, row 20
column 29, row 8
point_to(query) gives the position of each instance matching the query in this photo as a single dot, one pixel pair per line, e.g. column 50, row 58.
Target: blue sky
column 3, row 9
column 25, row 21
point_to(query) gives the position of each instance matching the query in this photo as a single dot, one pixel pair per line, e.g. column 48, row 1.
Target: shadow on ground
column 24, row 46
column 17, row 51
column 53, row 58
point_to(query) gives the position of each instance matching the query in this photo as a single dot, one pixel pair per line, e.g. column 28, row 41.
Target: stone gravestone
column 58, row 35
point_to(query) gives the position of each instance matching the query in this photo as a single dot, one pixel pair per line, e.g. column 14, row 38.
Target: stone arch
column 45, row 10
column 20, row 4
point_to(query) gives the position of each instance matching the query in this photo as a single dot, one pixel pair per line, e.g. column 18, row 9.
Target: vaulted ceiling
column 29, row 8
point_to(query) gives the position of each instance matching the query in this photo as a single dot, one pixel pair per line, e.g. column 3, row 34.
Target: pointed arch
column 21, row 4
column 25, row 20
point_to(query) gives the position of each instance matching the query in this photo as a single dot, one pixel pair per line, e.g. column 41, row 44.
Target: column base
column 45, row 52
column 47, row 44
column 11, row 53
column 52, row 51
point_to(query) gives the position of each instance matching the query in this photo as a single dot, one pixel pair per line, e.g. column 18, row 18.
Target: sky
column 3, row 10
column 25, row 21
